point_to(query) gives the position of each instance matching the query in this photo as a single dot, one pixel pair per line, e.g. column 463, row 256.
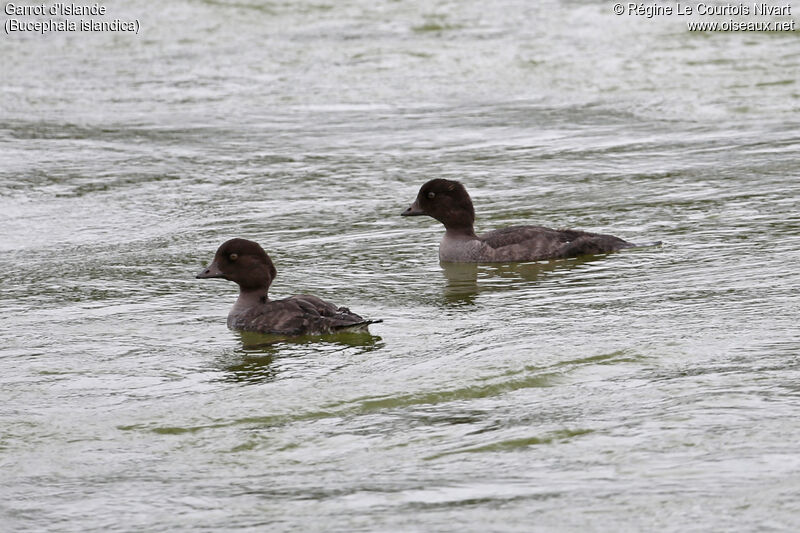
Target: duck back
column 296, row 315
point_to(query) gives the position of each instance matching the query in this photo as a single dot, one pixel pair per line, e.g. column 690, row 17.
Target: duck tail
column 357, row 326
column 645, row 244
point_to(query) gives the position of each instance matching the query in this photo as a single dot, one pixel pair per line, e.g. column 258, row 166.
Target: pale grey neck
column 459, row 234
column 248, row 299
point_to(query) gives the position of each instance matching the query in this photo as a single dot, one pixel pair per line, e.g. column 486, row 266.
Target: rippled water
column 649, row 389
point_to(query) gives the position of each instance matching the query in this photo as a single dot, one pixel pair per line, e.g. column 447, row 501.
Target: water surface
column 653, row 389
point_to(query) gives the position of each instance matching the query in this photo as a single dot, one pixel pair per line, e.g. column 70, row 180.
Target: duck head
column 243, row 262
column 445, row 200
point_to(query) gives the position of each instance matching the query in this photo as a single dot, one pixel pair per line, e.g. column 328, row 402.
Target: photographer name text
column 655, row 10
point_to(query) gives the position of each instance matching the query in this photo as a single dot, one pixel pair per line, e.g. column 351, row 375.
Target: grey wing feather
column 520, row 234
column 533, row 243
column 298, row 315
column 337, row 317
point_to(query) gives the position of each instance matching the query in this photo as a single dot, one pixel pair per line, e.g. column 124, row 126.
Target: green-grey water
column 652, row 389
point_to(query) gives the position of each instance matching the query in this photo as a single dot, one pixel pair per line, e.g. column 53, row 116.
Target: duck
column 247, row 264
column 448, row 202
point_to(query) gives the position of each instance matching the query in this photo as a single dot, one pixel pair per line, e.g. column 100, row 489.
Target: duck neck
column 459, row 232
column 249, row 298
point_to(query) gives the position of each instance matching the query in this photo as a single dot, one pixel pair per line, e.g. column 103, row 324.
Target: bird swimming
column 247, row 264
column 448, row 202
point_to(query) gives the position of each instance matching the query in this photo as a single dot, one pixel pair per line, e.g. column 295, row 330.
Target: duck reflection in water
column 263, row 357
column 466, row 280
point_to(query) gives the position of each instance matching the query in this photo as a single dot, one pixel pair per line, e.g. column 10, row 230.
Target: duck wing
column 300, row 315
column 330, row 317
column 535, row 243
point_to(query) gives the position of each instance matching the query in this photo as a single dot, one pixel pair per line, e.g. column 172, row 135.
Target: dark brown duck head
column 447, row 201
column 243, row 262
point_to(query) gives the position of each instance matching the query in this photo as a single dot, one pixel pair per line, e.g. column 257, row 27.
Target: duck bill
column 211, row 271
column 413, row 210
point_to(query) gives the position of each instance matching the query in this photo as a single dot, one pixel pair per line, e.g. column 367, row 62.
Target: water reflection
column 253, row 342
column 258, row 359
column 464, row 281
column 251, row 369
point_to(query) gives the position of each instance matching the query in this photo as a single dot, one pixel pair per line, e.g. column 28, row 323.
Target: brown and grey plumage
column 448, row 202
column 248, row 265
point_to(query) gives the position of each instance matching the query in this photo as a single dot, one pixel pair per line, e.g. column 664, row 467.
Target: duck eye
column 233, row 257
column 431, row 195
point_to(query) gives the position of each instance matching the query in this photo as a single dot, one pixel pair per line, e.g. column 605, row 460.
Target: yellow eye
column 431, row 195
column 234, row 257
